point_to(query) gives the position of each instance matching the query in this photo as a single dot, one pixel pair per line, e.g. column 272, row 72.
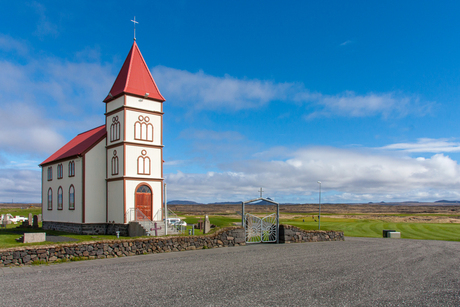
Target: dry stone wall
column 227, row 237
column 292, row 234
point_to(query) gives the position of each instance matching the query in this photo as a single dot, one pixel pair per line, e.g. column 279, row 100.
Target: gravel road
column 357, row 272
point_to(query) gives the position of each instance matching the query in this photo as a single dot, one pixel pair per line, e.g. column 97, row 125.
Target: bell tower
column 134, row 143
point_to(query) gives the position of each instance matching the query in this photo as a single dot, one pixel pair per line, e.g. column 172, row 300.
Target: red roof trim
column 134, row 78
column 79, row 145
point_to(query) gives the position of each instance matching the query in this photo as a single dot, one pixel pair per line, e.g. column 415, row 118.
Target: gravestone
column 30, row 220
column 35, row 223
column 34, row 237
column 206, row 225
column 39, row 218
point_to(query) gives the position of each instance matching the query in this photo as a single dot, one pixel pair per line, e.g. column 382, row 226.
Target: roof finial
column 134, row 21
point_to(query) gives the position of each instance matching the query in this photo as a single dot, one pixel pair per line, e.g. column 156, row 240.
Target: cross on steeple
column 261, row 192
column 134, row 21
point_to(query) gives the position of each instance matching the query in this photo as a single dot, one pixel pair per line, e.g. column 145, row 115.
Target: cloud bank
column 346, row 175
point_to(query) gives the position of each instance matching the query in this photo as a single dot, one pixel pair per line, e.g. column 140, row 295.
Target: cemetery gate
column 261, row 230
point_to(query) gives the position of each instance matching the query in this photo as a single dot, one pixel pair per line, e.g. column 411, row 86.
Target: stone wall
column 292, row 234
column 88, row 229
column 227, row 237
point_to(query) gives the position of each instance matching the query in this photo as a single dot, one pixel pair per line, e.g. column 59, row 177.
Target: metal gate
column 261, row 230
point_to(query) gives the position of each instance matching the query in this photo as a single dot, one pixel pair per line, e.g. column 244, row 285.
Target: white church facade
column 102, row 176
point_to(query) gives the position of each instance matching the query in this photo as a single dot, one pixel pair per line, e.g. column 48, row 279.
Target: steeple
column 134, row 78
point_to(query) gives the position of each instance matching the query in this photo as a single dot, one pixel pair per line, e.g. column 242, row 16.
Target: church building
column 113, row 172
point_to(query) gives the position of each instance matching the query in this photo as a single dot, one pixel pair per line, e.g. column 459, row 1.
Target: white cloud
column 201, row 91
column 43, row 99
column 426, row 145
column 20, row 185
column 347, row 175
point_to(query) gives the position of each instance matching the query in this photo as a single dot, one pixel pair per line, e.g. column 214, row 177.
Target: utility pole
column 319, row 216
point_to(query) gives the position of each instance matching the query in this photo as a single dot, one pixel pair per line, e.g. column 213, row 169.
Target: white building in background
column 102, row 174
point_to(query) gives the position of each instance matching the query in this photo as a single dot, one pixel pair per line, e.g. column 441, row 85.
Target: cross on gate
column 261, row 192
column 155, row 229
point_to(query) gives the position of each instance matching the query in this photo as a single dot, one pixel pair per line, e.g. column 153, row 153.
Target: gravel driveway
column 357, row 272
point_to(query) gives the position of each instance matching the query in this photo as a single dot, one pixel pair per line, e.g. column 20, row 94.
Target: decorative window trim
column 72, row 168
column 60, row 171
column 143, row 164
column 115, row 129
column 60, row 196
column 50, row 173
column 71, row 197
column 143, row 130
column 50, row 199
column 115, row 164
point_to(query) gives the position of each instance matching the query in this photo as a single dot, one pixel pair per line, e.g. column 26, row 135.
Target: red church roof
column 78, row 145
column 134, row 78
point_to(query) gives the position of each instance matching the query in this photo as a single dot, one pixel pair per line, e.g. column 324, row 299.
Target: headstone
column 40, row 218
column 6, row 220
column 35, row 223
column 30, row 220
column 34, row 237
column 206, row 225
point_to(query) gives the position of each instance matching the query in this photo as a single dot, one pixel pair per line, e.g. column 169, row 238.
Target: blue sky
column 362, row 95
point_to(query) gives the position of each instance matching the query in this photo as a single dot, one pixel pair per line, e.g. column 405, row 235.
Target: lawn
column 373, row 228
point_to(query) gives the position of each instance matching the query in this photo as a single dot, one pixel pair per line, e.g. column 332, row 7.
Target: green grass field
column 373, row 228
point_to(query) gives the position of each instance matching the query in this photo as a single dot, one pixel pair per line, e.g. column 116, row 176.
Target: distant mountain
column 448, row 201
column 182, row 202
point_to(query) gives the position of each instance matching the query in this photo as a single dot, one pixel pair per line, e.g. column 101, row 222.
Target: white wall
column 115, row 201
column 115, row 104
column 109, row 123
column 120, row 155
column 95, row 191
column 145, row 104
column 155, row 119
column 64, row 215
column 132, row 154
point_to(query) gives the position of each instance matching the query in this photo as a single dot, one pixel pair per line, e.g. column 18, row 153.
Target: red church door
column 144, row 202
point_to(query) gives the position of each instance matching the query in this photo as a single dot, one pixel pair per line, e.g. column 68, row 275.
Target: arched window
column 115, row 129
column 115, row 163
column 143, row 164
column 71, row 198
column 143, row 130
column 50, row 199
column 71, row 168
column 60, row 171
column 50, row 173
column 59, row 198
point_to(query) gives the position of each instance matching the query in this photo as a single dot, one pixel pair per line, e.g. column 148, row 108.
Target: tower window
column 115, row 163
column 143, row 129
column 115, row 129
